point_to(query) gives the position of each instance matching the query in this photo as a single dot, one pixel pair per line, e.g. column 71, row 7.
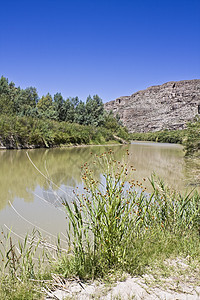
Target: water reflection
column 19, row 179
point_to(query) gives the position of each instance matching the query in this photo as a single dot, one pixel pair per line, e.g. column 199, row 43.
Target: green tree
column 6, row 105
column 46, row 108
column 8, row 92
column 25, row 102
column 58, row 105
column 80, row 113
column 69, row 109
column 94, row 111
column 4, row 86
column 110, row 122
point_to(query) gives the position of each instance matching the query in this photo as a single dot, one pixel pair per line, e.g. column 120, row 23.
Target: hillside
column 167, row 106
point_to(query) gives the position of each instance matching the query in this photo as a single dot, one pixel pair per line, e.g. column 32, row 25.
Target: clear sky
column 110, row 47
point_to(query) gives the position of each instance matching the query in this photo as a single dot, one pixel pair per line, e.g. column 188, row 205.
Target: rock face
column 167, row 106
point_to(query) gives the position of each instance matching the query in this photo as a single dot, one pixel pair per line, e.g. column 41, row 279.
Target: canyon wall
column 167, row 106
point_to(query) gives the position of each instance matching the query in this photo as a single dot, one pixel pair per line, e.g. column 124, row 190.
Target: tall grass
column 24, row 266
column 113, row 224
column 112, row 215
column 101, row 220
column 172, row 210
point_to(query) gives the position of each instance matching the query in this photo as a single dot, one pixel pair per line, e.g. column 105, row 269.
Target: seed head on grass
column 112, row 213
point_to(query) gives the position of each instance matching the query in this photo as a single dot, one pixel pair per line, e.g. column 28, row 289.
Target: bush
column 22, row 132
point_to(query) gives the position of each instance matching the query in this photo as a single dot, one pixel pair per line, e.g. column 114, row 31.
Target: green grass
column 22, row 267
column 114, row 227
column 108, row 222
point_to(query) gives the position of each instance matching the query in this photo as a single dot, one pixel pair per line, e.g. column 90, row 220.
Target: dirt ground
column 175, row 279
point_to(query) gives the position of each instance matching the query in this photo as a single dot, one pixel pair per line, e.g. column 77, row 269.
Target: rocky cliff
column 167, row 106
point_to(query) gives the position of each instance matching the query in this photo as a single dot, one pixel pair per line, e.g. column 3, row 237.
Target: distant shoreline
column 34, row 147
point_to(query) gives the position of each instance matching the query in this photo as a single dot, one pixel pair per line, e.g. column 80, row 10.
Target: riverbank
column 188, row 137
column 134, row 234
column 31, row 133
column 176, row 278
column 173, row 136
column 117, row 141
column 160, row 273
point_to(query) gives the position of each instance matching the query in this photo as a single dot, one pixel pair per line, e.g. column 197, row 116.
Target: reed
column 113, row 225
column 113, row 214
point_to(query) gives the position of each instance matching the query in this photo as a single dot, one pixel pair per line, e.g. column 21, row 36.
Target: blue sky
column 110, row 48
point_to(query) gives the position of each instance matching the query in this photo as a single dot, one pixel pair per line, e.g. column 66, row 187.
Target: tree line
column 26, row 120
column 26, row 102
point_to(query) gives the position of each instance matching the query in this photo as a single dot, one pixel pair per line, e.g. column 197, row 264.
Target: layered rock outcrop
column 167, row 106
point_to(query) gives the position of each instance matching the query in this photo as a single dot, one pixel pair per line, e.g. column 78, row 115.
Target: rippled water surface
column 27, row 199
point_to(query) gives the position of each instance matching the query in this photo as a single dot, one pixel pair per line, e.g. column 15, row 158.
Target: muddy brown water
column 28, row 200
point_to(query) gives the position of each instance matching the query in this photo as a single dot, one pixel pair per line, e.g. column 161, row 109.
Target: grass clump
column 101, row 220
column 115, row 224
column 23, row 269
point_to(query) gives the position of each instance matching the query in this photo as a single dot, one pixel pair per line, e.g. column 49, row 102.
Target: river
column 27, row 199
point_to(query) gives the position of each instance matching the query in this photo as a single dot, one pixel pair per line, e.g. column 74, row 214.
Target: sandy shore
column 183, row 283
